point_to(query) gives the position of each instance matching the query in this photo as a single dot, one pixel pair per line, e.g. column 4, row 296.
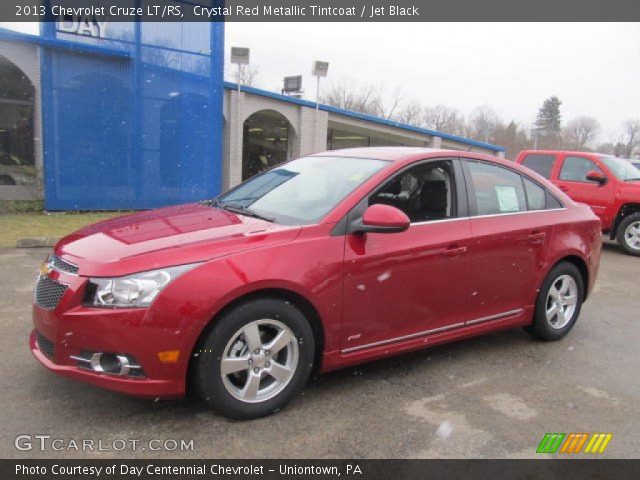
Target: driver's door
column 572, row 179
column 404, row 285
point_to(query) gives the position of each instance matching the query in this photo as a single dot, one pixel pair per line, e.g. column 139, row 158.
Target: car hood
column 167, row 236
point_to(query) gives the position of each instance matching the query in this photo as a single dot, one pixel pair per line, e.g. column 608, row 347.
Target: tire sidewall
column 620, row 235
column 540, row 326
column 208, row 378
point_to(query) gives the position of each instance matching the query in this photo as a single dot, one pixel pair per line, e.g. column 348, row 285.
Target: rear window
column 541, row 164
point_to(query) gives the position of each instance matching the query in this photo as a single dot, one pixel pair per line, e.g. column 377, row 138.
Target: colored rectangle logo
column 574, row 443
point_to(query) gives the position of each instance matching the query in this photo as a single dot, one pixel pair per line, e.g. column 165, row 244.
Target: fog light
column 170, row 356
column 109, row 363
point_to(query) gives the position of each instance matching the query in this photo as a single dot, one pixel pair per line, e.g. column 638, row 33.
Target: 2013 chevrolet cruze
column 319, row 263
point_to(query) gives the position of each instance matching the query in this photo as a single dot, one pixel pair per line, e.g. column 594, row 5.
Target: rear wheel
column 628, row 234
column 255, row 359
column 558, row 304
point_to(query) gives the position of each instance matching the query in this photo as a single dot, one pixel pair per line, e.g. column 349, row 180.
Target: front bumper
column 129, row 386
column 71, row 330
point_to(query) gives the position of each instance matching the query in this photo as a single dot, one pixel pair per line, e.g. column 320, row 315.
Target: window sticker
column 507, row 198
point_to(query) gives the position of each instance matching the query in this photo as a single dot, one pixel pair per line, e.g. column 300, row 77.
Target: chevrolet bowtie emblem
column 45, row 269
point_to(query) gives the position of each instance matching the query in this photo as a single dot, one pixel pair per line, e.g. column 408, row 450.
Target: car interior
column 423, row 193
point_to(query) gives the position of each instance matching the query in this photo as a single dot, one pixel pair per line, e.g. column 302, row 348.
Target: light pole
column 320, row 69
column 240, row 57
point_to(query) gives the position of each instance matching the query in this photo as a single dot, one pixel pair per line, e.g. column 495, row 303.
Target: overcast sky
column 593, row 68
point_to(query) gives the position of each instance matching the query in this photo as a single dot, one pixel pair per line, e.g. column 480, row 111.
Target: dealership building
column 137, row 115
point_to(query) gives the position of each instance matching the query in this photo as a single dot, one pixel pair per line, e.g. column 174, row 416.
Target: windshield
column 303, row 191
column 621, row 168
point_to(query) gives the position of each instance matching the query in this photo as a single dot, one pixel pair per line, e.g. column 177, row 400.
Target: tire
column 251, row 333
column 548, row 323
column 628, row 234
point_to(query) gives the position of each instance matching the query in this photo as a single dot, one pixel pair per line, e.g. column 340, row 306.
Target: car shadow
column 435, row 360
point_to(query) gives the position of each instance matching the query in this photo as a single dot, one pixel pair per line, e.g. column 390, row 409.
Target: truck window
column 541, row 164
column 575, row 169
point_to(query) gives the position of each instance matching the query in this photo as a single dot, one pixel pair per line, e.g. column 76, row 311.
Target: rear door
column 541, row 163
column 512, row 221
column 572, row 179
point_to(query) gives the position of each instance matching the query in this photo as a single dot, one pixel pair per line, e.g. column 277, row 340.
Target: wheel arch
column 299, row 301
column 581, row 265
column 625, row 210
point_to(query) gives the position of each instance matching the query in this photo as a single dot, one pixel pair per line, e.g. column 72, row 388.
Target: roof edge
column 362, row 116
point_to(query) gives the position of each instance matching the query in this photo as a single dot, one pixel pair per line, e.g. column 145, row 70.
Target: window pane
column 535, row 195
column 303, row 191
column 342, row 139
column 541, row 164
column 497, row 190
column 424, row 192
column 576, row 168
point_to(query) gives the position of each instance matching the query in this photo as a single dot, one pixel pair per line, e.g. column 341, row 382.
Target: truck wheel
column 628, row 235
column 255, row 359
column 558, row 304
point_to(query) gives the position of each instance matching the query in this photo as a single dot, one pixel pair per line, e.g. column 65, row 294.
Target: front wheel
column 255, row 359
column 628, row 235
column 558, row 304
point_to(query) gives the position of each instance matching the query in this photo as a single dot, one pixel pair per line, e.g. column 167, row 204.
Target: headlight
column 137, row 290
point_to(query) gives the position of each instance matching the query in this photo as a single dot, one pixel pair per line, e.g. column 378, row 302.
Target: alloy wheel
column 259, row 361
column 632, row 235
column 561, row 301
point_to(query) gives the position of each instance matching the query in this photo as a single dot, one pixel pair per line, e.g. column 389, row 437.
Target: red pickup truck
column 609, row 185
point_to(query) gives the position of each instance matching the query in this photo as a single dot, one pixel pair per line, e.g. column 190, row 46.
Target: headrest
column 434, row 195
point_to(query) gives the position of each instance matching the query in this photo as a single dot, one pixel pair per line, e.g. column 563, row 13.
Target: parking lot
column 492, row 396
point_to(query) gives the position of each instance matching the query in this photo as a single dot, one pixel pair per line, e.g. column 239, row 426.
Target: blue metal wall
column 136, row 123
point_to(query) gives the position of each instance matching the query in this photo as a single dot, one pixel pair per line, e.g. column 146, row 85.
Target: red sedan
column 322, row 262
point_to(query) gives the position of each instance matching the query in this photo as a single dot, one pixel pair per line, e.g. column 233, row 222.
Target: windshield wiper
column 631, row 179
column 242, row 211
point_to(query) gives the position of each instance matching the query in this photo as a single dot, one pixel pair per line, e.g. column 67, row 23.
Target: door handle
column 537, row 237
column 454, row 251
column 562, row 187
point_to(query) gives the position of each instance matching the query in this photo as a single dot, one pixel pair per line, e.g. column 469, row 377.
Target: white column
column 232, row 168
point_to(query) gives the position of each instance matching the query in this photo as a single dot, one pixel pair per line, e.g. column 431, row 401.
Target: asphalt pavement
column 489, row 397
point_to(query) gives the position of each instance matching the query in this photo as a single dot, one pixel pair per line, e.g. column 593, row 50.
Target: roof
column 392, row 154
column 363, row 116
column 381, row 153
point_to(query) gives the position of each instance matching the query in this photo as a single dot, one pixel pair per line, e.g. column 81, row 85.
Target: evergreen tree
column 549, row 118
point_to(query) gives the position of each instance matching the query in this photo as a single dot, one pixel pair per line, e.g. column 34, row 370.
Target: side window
column 497, row 189
column 541, row 164
column 424, row 192
column 536, row 195
column 574, row 169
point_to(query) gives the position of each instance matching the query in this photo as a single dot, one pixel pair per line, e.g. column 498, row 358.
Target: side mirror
column 381, row 218
column 598, row 177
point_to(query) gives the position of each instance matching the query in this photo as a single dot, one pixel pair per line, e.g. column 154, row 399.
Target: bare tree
column 411, row 114
column 247, row 75
column 384, row 108
column 350, row 95
column 482, row 123
column 444, row 119
column 581, row 131
column 630, row 137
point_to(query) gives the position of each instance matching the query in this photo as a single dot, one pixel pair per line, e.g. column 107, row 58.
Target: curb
column 37, row 242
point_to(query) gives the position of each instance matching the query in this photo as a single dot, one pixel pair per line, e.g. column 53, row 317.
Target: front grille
column 45, row 346
column 48, row 292
column 62, row 265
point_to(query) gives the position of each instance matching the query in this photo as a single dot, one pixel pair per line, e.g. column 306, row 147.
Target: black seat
column 431, row 203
